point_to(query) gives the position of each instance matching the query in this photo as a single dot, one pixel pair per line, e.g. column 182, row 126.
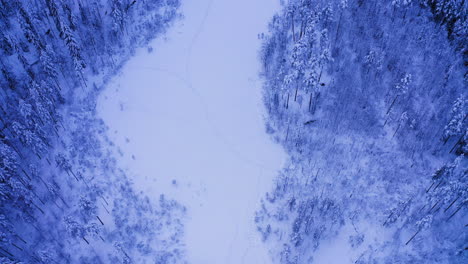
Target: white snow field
column 188, row 119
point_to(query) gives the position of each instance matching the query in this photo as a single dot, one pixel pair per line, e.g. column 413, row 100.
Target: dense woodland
column 63, row 199
column 369, row 99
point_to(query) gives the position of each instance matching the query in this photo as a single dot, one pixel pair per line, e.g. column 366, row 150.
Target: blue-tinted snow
column 193, row 116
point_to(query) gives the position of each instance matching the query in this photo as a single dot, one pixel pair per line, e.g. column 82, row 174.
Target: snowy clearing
column 188, row 119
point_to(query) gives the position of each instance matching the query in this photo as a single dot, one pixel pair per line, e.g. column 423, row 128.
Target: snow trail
column 188, row 118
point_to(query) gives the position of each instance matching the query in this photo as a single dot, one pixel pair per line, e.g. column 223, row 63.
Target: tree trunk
column 102, row 223
column 295, row 95
column 454, row 213
column 292, row 23
column 390, row 108
column 430, row 187
column 458, row 142
column 398, row 127
column 310, row 101
column 452, row 203
column 412, row 237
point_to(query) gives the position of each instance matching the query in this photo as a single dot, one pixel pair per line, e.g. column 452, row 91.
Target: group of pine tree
column 56, row 200
column 369, row 100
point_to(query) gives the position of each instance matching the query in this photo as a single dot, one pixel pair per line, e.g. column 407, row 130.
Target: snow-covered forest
column 369, row 100
column 155, row 131
column 63, row 198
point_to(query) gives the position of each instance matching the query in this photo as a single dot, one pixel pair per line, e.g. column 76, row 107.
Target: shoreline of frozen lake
column 188, row 118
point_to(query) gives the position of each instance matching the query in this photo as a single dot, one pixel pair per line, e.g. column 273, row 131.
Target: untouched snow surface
column 188, row 119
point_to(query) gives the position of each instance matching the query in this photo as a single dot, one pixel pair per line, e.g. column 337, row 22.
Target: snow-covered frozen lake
column 188, row 118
